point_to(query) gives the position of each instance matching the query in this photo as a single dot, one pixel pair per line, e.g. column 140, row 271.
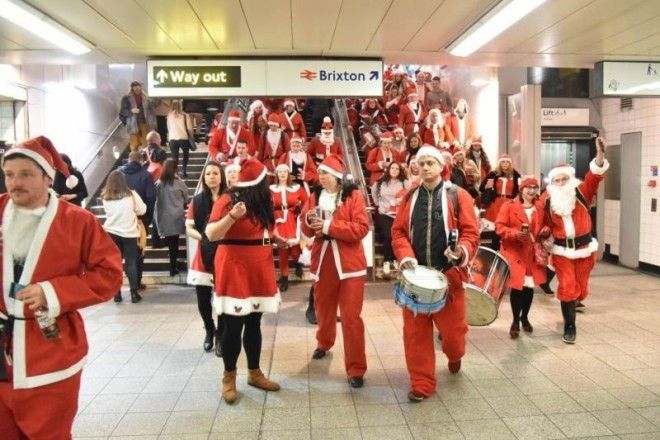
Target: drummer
column 430, row 246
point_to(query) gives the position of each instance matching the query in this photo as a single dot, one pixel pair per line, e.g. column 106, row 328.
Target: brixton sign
column 196, row 76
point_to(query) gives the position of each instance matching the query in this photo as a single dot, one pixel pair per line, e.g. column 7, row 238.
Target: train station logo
column 334, row 75
column 308, row 74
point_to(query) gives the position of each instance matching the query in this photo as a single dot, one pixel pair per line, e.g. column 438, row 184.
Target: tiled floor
column 148, row 378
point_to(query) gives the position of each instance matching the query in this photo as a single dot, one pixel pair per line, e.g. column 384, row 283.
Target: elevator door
column 631, row 145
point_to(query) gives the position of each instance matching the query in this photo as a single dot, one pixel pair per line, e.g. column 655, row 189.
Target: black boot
column 568, row 311
column 218, row 337
column 135, row 296
column 299, row 270
column 208, row 340
column 284, row 284
column 549, row 275
column 310, row 313
column 118, row 298
column 516, row 299
column 527, row 298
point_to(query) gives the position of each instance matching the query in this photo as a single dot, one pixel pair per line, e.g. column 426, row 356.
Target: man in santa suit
column 325, row 144
column 432, row 210
column 57, row 259
column 434, row 131
column 272, row 144
column 567, row 202
column 291, row 121
column 222, row 145
column 301, row 164
column 411, row 114
column 460, row 124
column 380, row 158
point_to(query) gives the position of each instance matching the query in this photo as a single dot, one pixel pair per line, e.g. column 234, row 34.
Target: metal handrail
column 112, row 129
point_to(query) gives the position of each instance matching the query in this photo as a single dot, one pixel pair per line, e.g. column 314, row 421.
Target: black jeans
column 231, row 339
column 129, row 251
column 205, row 307
column 172, row 242
column 385, row 229
column 184, row 145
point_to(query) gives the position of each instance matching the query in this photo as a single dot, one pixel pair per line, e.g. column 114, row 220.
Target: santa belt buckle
column 265, row 241
column 570, row 242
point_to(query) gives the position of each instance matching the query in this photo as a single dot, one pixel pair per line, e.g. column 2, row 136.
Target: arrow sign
column 373, row 75
column 161, row 75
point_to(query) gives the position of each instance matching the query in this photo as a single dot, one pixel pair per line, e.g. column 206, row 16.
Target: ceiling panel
column 642, row 46
column 314, row 23
column 20, row 36
column 6, row 44
column 132, row 19
column 224, row 21
column 269, row 24
column 358, row 20
column 180, row 22
column 448, row 21
column 403, row 20
column 632, row 36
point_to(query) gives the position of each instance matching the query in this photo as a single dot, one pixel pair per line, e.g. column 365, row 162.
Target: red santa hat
column 334, row 165
column 503, row 158
column 562, row 168
column 43, row 152
column 432, row 152
column 458, row 152
column 234, row 115
column 273, row 119
column 327, row 123
column 387, row 137
column 296, row 138
column 252, row 172
column 528, row 181
column 289, row 101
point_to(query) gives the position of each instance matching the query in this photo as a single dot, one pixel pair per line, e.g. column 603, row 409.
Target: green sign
column 196, row 76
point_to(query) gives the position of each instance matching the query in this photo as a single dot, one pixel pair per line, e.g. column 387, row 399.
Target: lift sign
column 196, row 76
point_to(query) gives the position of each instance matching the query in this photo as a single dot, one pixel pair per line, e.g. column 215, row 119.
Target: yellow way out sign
column 195, row 76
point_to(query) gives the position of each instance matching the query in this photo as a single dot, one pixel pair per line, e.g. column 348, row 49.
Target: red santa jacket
column 268, row 153
column 377, row 162
column 286, row 199
column 318, row 150
column 468, row 229
column 344, row 233
column 222, row 142
column 410, row 120
column 461, row 132
column 519, row 254
column 579, row 223
column 77, row 265
column 293, row 124
column 309, row 174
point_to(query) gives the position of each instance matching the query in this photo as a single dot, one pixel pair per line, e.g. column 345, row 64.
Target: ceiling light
column 43, row 26
column 496, row 21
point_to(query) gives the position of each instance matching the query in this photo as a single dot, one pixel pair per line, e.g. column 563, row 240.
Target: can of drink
column 524, row 228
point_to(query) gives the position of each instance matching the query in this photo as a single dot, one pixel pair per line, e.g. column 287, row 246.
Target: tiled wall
column 644, row 117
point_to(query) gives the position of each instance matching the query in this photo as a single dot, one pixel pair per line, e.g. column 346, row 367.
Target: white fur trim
column 232, row 166
column 252, row 182
column 406, row 259
column 327, row 119
column 326, row 226
column 282, row 166
column 432, row 152
column 198, row 278
column 569, row 171
column 258, row 304
column 574, row 254
column 288, row 101
column 38, row 158
column 466, row 257
column 332, row 171
column 51, row 299
column 71, row 181
column 595, row 169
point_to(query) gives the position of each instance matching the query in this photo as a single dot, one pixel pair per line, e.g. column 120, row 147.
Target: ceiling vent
column 626, row 104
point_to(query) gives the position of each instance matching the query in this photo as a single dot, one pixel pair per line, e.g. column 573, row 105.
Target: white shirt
column 121, row 215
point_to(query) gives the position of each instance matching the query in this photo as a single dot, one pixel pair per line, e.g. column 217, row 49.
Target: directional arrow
column 161, row 75
column 373, row 75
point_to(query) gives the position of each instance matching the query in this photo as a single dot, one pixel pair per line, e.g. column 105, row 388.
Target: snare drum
column 421, row 290
column 488, row 274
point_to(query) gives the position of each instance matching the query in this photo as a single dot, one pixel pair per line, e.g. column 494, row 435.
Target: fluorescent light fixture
column 43, row 26
column 496, row 21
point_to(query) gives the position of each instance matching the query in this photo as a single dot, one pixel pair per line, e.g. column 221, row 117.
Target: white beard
column 298, row 157
column 327, row 138
column 20, row 232
column 562, row 198
column 273, row 137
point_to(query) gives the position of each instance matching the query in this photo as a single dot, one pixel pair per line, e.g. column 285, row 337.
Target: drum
column 488, row 274
column 421, row 290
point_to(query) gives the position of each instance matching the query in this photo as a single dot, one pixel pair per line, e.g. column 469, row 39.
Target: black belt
column 574, row 243
column 245, row 242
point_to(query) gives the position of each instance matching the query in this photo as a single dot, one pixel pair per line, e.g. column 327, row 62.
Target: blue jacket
column 140, row 180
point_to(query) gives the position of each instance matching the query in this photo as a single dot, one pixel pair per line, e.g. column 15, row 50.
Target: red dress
column 198, row 274
column 505, row 189
column 285, row 201
column 244, row 275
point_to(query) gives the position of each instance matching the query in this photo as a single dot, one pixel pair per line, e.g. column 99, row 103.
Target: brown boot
column 257, row 379
column 229, row 387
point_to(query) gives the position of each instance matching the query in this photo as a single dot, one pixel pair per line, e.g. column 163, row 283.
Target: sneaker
column 386, row 268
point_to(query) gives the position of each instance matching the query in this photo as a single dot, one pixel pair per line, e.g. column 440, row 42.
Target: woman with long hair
column 288, row 200
column 231, row 173
column 242, row 222
column 413, row 144
column 180, row 132
column 171, row 202
column 385, row 194
column 519, row 223
column 122, row 207
column 479, row 156
column 78, row 192
column 498, row 186
column 336, row 215
column 200, row 273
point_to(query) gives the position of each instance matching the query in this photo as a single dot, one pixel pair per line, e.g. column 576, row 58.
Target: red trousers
column 418, row 341
column 573, row 276
column 43, row 413
column 294, row 252
column 348, row 294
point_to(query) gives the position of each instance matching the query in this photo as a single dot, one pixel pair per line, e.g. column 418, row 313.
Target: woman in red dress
column 242, row 222
column 288, row 200
column 496, row 189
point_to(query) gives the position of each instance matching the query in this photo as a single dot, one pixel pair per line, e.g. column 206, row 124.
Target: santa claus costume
column 478, row 155
column 411, row 114
column 301, row 164
column 499, row 186
column 326, row 144
column 372, row 124
column 431, row 212
column 59, row 255
column 288, row 200
column 272, row 145
column 242, row 222
column 291, row 121
column 379, row 158
column 568, row 217
column 518, row 225
column 257, row 118
column 222, row 145
column 434, row 132
column 460, row 124
column 336, row 215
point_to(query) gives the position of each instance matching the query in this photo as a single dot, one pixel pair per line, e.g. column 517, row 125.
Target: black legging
column 231, row 339
column 129, row 252
column 385, row 229
column 172, row 242
column 183, row 144
column 205, row 306
column 521, row 302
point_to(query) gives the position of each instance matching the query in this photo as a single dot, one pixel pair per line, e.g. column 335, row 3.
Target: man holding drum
column 428, row 216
